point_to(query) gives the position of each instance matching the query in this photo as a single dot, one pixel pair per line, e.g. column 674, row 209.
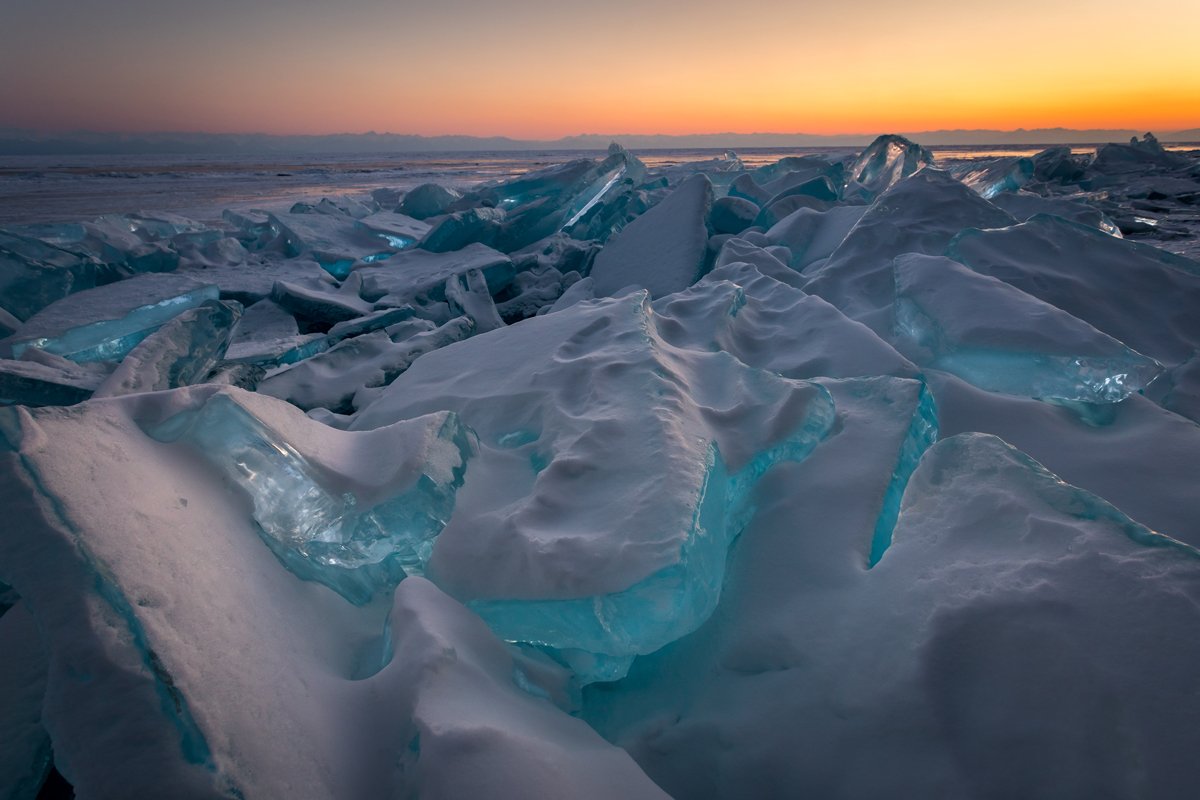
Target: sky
column 546, row 68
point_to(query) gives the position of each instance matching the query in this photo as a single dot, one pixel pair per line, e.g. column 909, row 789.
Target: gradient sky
column 545, row 68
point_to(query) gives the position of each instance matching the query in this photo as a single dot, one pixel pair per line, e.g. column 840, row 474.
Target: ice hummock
column 724, row 511
column 571, row 410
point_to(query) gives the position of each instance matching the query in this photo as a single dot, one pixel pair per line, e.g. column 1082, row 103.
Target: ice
column 997, row 176
column 737, row 309
column 1024, row 205
column 885, row 162
column 44, row 379
column 1179, row 389
column 25, row 756
column 334, row 379
column 1092, row 456
column 182, row 352
column 468, row 295
column 500, row 522
column 920, row 214
column 663, row 250
column 105, row 323
column 813, row 235
column 322, row 307
column 418, row 277
column 373, row 321
column 175, row 634
column 1135, row 156
column 583, row 194
column 1014, row 616
column 334, row 241
column 267, row 334
column 534, row 289
column 397, row 230
column 1000, row 339
column 34, row 274
column 252, row 279
column 427, row 200
column 1058, row 164
column 732, row 215
column 572, row 409
column 737, row 250
column 462, row 228
column 357, row 543
column 1113, row 284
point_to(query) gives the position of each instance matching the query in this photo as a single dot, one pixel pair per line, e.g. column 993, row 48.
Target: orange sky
column 542, row 69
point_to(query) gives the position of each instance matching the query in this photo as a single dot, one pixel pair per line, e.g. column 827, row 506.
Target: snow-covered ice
column 850, row 475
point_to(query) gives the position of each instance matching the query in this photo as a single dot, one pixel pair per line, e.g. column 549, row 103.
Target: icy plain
column 851, row 475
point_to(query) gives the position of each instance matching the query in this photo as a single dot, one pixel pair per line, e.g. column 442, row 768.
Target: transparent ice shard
column 996, row 176
column 396, row 230
column 886, row 161
column 335, row 242
column 319, row 530
column 181, row 352
column 105, row 323
column 1001, row 339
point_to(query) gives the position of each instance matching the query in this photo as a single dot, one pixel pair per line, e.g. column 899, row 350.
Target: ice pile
column 703, row 481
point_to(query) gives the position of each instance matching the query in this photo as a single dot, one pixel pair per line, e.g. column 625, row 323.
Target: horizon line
column 8, row 131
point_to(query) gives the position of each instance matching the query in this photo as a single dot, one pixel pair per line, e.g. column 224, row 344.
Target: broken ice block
column 105, row 323
column 996, row 176
column 664, row 249
column 427, row 200
column 357, row 544
column 1113, row 284
column 34, row 274
column 181, row 352
column 886, row 161
column 1001, row 339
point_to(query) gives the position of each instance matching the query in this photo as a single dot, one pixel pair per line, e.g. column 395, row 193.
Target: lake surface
column 72, row 188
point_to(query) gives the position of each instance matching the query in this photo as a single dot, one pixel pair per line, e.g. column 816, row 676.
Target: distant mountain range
column 18, row 142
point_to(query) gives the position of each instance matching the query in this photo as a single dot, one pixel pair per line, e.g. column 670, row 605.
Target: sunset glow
column 540, row 69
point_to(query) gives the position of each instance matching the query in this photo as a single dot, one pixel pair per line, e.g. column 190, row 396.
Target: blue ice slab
column 105, row 323
column 182, row 352
column 34, row 274
column 319, row 531
column 583, row 193
column 999, row 338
